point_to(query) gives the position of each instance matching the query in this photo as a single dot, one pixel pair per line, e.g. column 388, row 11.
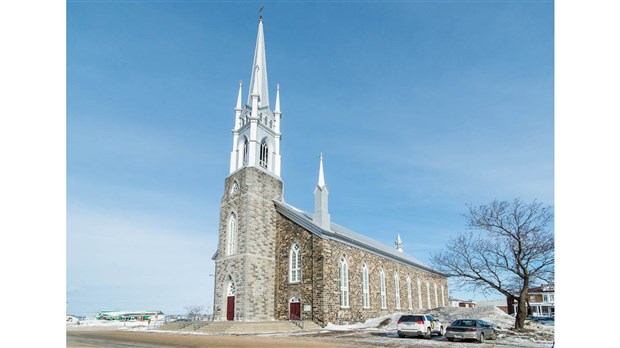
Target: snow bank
column 489, row 314
column 116, row 324
column 387, row 322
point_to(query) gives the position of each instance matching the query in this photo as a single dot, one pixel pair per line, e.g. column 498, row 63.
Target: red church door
column 295, row 309
column 230, row 308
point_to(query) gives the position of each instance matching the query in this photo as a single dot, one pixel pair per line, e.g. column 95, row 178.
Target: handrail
column 297, row 321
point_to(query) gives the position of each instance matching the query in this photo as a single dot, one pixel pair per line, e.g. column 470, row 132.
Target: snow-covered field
column 374, row 331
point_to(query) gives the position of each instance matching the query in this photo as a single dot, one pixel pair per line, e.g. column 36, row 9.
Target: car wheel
column 481, row 339
column 451, row 339
column 442, row 331
column 401, row 335
column 493, row 336
column 428, row 333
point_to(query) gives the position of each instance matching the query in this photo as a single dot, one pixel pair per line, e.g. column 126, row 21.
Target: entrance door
column 230, row 308
column 295, row 309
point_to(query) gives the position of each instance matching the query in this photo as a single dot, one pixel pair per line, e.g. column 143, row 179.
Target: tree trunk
column 510, row 303
column 522, row 307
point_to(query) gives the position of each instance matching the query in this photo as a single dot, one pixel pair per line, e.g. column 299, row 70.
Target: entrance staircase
column 237, row 327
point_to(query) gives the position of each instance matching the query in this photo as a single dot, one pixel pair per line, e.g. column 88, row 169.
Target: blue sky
column 419, row 107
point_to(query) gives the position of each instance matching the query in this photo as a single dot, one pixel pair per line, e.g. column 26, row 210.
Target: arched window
column 264, row 154
column 344, row 283
column 231, row 287
column 295, row 264
column 409, row 298
column 419, row 293
column 365, row 292
column 382, row 285
column 234, row 188
column 231, row 248
column 246, row 149
column 428, row 294
column 443, row 296
column 397, row 290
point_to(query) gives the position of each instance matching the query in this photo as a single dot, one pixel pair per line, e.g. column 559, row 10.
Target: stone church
column 277, row 262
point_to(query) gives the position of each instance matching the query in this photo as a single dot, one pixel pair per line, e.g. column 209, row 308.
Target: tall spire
column 259, row 76
column 321, row 212
column 321, row 176
column 277, row 109
column 238, row 106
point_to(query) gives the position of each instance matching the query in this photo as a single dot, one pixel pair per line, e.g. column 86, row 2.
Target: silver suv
column 419, row 325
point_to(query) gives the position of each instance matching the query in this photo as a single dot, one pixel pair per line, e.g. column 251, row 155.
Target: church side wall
column 308, row 290
column 320, row 284
column 356, row 312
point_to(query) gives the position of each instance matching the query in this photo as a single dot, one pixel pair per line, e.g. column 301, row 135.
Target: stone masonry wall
column 309, row 289
column 320, row 281
column 252, row 267
column 356, row 312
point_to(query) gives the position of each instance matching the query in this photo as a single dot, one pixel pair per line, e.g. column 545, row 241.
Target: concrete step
column 238, row 327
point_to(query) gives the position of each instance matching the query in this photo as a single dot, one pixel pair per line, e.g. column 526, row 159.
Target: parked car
column 476, row 329
column 544, row 320
column 419, row 325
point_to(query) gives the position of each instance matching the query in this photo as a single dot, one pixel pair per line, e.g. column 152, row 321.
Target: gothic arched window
column 397, row 290
column 365, row 292
column 344, row 282
column 419, row 293
column 264, row 154
column 428, row 294
column 382, row 285
column 234, row 188
column 231, row 248
column 246, row 149
column 295, row 264
column 409, row 298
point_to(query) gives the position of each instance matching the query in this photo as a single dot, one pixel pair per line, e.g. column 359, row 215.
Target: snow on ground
column 74, row 322
column 534, row 335
column 377, row 329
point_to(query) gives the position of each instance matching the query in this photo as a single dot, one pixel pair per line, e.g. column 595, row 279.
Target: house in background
column 460, row 303
column 541, row 301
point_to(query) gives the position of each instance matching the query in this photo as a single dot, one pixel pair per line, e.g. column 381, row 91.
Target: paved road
column 132, row 339
column 97, row 338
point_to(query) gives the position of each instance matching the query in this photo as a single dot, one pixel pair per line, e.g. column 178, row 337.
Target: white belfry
column 256, row 135
column 321, row 213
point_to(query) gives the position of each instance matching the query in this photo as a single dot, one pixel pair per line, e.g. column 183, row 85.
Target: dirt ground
column 100, row 338
column 129, row 339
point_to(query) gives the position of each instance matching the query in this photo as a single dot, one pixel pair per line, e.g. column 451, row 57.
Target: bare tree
column 193, row 312
column 508, row 247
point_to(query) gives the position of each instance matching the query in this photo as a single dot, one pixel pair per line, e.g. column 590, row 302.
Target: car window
column 406, row 318
column 467, row 323
column 430, row 318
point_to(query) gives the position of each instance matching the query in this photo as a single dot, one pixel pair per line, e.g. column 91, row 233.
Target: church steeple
column 256, row 135
column 321, row 212
column 259, row 70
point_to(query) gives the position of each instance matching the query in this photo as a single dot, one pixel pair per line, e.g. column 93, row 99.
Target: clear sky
column 420, row 108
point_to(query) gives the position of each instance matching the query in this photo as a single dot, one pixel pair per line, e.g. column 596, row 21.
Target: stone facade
column 320, row 281
column 252, row 267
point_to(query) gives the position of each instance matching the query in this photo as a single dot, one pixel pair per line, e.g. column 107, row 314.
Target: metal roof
column 346, row 236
